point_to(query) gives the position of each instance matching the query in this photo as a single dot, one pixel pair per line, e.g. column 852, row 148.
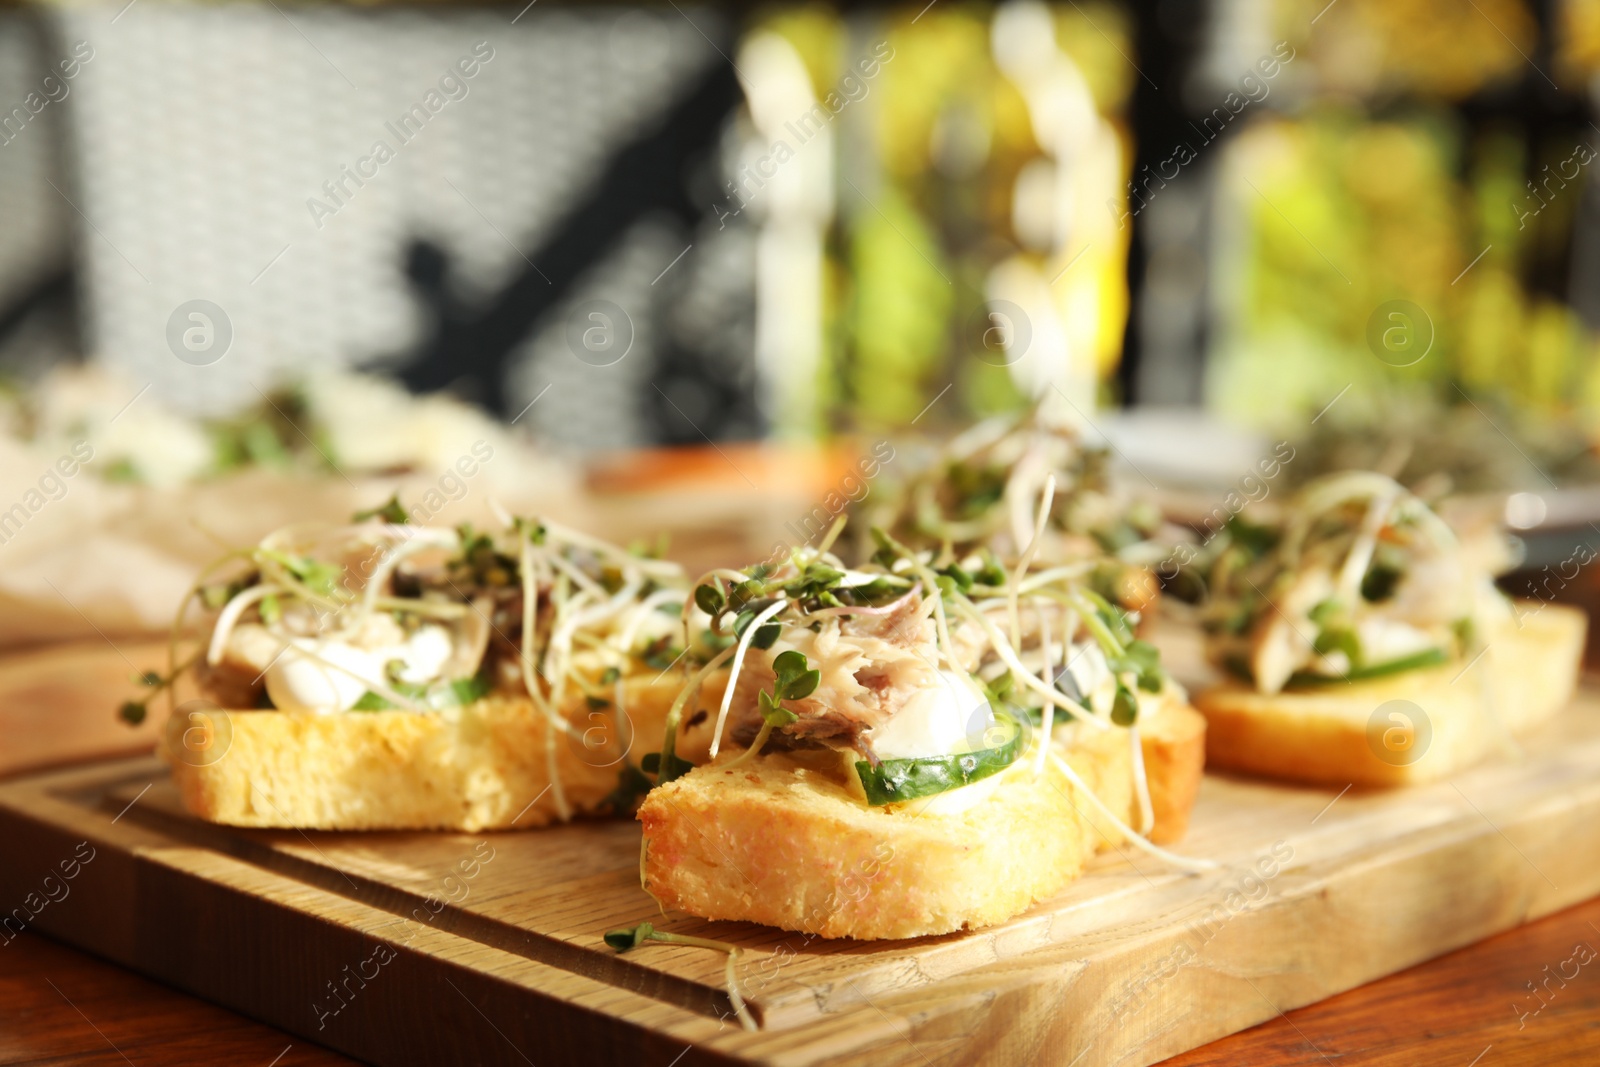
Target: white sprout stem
column 746, row 1020
column 738, row 662
column 558, row 791
column 1363, row 547
column 230, row 617
column 570, row 622
column 433, row 609
column 552, row 710
column 1019, row 491
column 1046, row 499
column 582, row 580
column 723, row 572
column 675, row 713
column 1047, row 577
column 1003, row 647
column 1048, row 712
column 1339, row 488
column 275, row 573
column 946, row 647
column 980, row 436
column 655, row 568
column 1141, row 783
column 619, row 701
column 885, row 609
column 284, row 536
column 832, row 535
column 530, row 608
column 1183, row 863
column 392, row 558
column 622, row 639
column 688, row 601
column 936, row 522
column 557, row 654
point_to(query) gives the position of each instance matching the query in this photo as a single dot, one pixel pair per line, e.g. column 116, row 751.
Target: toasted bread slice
column 784, row 839
column 485, row 766
column 1347, row 733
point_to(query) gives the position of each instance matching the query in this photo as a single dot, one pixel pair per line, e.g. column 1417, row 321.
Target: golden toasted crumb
column 1452, row 716
column 788, row 844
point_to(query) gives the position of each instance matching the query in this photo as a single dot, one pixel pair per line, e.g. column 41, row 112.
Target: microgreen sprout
column 628, row 938
column 795, row 680
column 133, row 712
column 710, row 599
column 391, row 511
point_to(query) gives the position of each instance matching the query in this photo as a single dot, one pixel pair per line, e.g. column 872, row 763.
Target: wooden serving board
column 409, row 948
column 62, row 701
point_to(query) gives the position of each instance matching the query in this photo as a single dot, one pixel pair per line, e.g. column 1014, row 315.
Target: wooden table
column 58, row 1005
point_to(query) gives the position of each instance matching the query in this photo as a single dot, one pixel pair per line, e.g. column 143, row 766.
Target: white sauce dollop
column 424, row 655
column 330, row 676
column 332, row 682
column 935, row 721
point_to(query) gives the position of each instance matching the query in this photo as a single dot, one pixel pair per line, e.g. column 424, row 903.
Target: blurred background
column 269, row 261
column 340, row 239
column 797, row 220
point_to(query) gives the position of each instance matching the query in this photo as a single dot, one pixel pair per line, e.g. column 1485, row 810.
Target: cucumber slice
column 897, row 780
column 1428, row 657
column 456, row 693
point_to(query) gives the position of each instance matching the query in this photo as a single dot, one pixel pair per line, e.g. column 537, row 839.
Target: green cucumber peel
column 454, row 694
column 898, row 780
column 1428, row 657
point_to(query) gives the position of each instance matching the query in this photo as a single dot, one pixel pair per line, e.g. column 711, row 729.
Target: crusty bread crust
column 783, row 840
column 1526, row 674
column 1174, row 748
column 482, row 767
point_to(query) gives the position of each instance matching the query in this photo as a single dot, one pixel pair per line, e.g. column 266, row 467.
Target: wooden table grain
column 60, row 1006
column 1472, row 1008
column 1510, row 1001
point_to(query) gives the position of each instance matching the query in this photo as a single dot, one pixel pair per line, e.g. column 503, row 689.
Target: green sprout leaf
column 767, row 634
column 132, row 712
column 392, row 511
column 623, row 940
column 774, row 713
column 1324, row 611
column 631, row 785
column 1125, row 708
column 316, row 575
column 962, row 580
column 1144, row 661
column 1380, row 581
column 991, row 574
column 1338, row 639
column 999, row 690
column 710, row 599
column 887, row 551
column 650, row 763
column 1255, row 540
column 796, row 680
